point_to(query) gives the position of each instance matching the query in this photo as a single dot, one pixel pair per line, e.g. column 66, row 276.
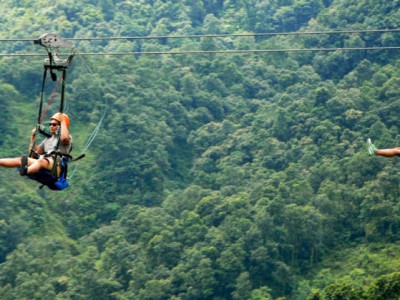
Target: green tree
column 342, row 291
column 243, row 287
column 385, row 287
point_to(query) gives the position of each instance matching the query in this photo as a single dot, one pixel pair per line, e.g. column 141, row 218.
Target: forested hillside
column 231, row 175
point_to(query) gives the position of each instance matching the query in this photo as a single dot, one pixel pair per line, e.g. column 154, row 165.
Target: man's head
column 55, row 121
column 59, row 117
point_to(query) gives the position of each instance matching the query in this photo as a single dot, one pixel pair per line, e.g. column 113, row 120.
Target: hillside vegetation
column 213, row 176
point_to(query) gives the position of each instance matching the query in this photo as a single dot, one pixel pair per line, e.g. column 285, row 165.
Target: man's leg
column 37, row 164
column 388, row 152
column 10, row 162
column 391, row 152
column 34, row 165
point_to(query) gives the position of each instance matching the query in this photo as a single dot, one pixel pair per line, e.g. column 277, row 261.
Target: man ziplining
column 389, row 152
column 60, row 140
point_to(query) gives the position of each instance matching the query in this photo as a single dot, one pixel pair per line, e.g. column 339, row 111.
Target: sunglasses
column 53, row 124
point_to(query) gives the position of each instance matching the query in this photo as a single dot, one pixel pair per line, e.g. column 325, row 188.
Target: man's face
column 53, row 125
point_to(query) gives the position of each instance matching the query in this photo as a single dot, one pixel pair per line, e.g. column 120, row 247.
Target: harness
column 54, row 179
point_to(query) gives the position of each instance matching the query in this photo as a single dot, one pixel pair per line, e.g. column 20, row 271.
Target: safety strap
column 52, row 41
column 50, row 100
column 41, row 113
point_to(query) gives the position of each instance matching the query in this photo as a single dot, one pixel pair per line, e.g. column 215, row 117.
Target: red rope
column 51, row 99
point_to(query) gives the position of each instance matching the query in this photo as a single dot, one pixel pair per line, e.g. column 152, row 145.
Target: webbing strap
column 38, row 129
column 41, row 113
column 42, row 95
column 64, row 78
column 50, row 100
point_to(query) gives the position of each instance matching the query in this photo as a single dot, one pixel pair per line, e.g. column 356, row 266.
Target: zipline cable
column 262, row 34
column 265, row 34
column 188, row 52
column 224, row 35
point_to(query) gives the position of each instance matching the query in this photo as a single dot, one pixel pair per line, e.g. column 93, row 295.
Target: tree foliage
column 213, row 176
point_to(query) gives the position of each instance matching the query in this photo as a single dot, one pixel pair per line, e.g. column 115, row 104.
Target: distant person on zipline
column 390, row 152
column 59, row 124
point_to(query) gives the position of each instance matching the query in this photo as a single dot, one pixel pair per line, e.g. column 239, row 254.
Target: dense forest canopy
column 214, row 175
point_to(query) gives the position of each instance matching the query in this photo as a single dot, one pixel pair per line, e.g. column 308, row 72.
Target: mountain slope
column 214, row 176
